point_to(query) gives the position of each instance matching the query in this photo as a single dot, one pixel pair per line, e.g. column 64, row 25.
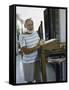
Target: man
column 29, row 43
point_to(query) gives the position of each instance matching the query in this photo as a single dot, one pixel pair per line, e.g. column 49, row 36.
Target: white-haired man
column 29, row 42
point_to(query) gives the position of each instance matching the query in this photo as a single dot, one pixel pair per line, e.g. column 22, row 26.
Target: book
column 42, row 42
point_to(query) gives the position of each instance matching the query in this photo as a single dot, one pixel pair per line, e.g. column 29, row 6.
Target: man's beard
column 29, row 31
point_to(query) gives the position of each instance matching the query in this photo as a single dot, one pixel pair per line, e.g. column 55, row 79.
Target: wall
column 62, row 16
column 27, row 12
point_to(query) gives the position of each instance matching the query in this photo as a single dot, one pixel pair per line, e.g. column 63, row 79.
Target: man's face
column 29, row 25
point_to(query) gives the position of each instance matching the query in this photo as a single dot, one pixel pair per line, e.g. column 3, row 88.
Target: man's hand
column 30, row 50
column 38, row 45
column 42, row 42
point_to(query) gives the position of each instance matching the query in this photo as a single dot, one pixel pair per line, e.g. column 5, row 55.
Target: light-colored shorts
column 29, row 71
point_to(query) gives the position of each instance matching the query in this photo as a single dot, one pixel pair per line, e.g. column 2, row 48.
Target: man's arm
column 29, row 50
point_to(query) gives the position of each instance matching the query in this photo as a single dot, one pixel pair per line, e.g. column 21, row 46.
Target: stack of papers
column 42, row 42
column 49, row 41
column 58, row 60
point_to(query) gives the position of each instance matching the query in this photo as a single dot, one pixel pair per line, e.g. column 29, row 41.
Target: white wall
column 62, row 15
column 35, row 13
column 28, row 12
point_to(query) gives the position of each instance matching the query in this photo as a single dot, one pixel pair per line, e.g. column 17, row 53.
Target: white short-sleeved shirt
column 29, row 41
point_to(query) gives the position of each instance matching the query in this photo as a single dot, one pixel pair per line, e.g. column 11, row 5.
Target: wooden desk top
column 53, row 52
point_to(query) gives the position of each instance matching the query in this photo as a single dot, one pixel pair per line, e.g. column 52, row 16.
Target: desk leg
column 58, row 72
column 43, row 67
